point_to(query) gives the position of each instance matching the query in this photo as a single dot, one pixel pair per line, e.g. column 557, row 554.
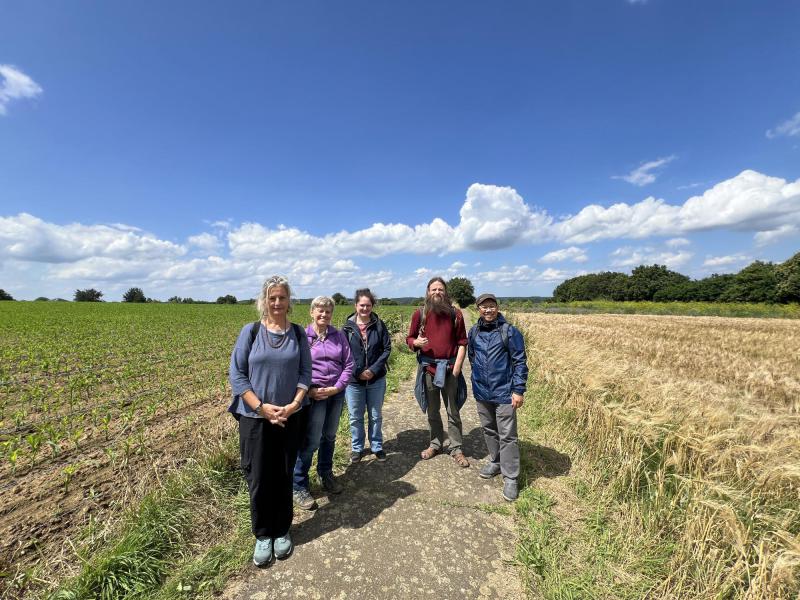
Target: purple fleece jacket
column 331, row 361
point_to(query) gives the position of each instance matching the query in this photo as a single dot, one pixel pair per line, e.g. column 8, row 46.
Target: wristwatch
column 258, row 408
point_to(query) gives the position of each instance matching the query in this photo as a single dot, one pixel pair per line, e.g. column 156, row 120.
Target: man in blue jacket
column 496, row 352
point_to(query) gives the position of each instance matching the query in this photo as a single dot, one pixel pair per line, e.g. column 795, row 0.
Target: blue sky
column 194, row 148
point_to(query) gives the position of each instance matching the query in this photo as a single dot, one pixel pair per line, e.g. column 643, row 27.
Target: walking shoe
column 283, row 547
column 303, row 499
column 263, row 551
column 330, row 484
column 510, row 491
column 380, row 456
column 355, row 457
column 489, row 470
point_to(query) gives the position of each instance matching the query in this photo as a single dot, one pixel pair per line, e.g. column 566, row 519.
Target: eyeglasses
column 489, row 308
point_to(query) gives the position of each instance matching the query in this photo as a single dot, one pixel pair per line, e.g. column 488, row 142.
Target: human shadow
column 370, row 487
column 540, row 461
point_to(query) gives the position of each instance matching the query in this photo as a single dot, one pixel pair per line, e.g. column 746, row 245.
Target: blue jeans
column 367, row 397
column 323, row 421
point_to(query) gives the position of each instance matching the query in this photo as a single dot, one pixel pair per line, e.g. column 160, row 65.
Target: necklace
column 281, row 334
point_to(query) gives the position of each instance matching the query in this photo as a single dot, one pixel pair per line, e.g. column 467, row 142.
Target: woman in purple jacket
column 331, row 369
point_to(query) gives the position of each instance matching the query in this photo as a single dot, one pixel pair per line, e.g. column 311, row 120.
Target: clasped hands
column 322, row 393
column 278, row 415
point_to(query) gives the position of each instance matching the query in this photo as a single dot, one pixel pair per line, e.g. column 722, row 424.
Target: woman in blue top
column 270, row 373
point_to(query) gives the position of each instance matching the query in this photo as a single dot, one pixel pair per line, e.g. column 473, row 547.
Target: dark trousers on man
column 448, row 395
column 268, row 454
column 499, row 424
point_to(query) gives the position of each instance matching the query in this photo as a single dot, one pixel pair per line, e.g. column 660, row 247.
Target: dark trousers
column 448, row 395
column 268, row 453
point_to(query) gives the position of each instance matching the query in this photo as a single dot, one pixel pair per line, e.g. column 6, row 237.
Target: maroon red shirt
column 443, row 340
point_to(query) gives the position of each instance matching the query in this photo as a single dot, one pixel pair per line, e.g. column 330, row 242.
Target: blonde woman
column 270, row 372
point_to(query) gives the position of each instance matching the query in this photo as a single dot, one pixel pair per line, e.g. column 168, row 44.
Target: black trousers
column 268, row 453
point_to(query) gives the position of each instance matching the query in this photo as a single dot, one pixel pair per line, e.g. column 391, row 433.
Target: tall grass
column 694, row 424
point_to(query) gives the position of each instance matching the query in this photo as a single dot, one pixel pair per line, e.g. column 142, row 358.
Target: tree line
column 758, row 282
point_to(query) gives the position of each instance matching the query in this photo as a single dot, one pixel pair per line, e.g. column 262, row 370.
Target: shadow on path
column 370, row 488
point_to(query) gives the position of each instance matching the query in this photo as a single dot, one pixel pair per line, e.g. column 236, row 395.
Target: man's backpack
column 505, row 328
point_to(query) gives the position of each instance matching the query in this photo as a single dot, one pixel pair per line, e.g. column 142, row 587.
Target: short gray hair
column 272, row 282
column 322, row 302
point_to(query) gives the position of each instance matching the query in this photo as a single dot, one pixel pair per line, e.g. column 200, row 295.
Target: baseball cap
column 483, row 298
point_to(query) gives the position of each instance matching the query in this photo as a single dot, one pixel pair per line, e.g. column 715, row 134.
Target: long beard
column 434, row 305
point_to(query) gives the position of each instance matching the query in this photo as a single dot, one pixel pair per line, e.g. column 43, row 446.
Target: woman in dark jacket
column 370, row 345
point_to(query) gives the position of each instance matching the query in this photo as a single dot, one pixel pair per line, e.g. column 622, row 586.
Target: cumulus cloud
column 25, row 237
column 750, row 201
column 495, row 217
column 205, row 241
column 677, row 242
column 633, row 257
column 644, row 173
column 572, row 253
column 789, row 128
column 762, row 238
column 15, row 85
column 721, row 261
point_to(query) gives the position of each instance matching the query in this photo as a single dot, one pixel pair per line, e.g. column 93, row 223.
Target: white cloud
column 14, row 85
column 721, row 261
column 762, row 238
column 633, row 257
column 789, row 128
column 677, row 243
column 25, row 237
column 495, row 217
column 572, row 253
column 690, row 186
column 750, row 201
column 205, row 241
column 492, row 217
column 517, row 275
column 643, row 174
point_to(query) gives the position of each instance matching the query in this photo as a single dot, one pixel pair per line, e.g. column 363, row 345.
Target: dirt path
column 406, row 528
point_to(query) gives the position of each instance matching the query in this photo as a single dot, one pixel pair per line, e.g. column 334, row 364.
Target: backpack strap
column 505, row 328
column 298, row 331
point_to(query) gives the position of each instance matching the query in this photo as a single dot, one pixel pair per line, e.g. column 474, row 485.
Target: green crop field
column 99, row 400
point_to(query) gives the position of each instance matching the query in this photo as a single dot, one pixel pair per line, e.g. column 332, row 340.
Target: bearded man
column 438, row 336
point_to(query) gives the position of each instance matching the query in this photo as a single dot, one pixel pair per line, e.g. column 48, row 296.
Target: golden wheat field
column 699, row 420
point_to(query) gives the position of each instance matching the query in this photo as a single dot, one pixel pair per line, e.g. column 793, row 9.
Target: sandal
column 460, row 459
column 429, row 453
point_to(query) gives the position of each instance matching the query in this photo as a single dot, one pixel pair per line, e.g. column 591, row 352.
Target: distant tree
column 42, row 299
column 645, row 281
column 226, row 299
column 175, row 300
column 460, row 289
column 60, row 300
column 788, row 276
column 134, row 294
column 607, row 285
column 757, row 282
column 340, row 299
column 89, row 295
column 187, row 300
column 4, row 295
column 387, row 302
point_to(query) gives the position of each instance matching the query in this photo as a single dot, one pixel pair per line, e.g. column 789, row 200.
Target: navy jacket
column 496, row 372
column 376, row 352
